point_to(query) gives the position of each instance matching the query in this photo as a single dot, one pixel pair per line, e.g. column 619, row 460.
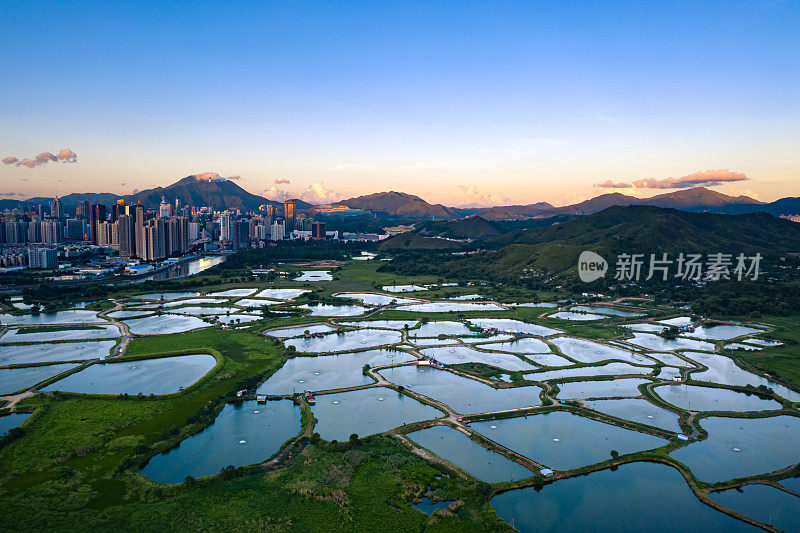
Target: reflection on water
column 621, row 500
column 189, row 268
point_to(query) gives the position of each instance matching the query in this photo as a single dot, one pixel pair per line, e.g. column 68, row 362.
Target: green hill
column 613, row 231
column 412, row 241
column 468, row 228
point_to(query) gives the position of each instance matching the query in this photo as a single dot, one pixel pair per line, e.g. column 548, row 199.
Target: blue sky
column 460, row 102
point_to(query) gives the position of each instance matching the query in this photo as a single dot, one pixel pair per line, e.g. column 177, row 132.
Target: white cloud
column 318, row 193
column 472, row 197
column 608, row 184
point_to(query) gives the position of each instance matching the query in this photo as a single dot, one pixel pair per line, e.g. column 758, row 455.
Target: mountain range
column 697, row 199
column 191, row 190
column 615, row 230
column 226, row 194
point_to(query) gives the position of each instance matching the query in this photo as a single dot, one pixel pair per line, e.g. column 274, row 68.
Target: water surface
column 636, row 497
column 462, row 354
column 349, row 340
column 233, row 293
column 609, row 369
column 739, row 447
column 242, row 434
column 281, row 294
column 444, row 327
column 640, row 411
column 11, row 421
column 146, row 376
column 696, row 398
column 764, row 503
column 164, row 324
column 49, row 353
column 335, row 310
column 525, row 345
column 569, row 315
column 655, row 342
column 445, row 307
column 314, row 275
column 592, row 352
column 300, row 330
column 167, row 295
column 605, row 311
column 72, row 316
column 722, row 369
column 367, row 411
column 34, row 335
column 461, row 394
column 328, row 371
column 375, row 299
column 514, row 326
column 562, row 440
column 403, row 288
column 15, row 379
column 468, row 455
column 720, row 332
column 613, row 388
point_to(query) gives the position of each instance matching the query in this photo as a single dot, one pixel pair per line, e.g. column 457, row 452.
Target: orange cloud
column 608, row 184
column 706, row 178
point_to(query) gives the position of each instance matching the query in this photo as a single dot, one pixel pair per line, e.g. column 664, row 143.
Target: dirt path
column 16, row 398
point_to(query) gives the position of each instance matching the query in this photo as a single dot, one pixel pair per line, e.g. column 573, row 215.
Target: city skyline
column 460, row 104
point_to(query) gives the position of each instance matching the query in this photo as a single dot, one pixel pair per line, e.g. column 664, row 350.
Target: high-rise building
column 98, row 214
column 35, row 230
column 178, row 236
column 318, row 231
column 289, row 214
column 117, row 210
column 82, row 210
column 51, row 231
column 42, row 258
column 16, row 232
column 163, row 208
column 153, row 240
column 226, row 226
column 127, row 236
column 269, row 210
column 241, row 234
column 277, row 230
column 75, row 229
column 56, row 209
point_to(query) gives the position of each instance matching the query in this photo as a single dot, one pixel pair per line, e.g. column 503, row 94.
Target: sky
column 462, row 103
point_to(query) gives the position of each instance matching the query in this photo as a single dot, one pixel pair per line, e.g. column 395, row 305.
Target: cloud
column 9, row 194
column 282, row 181
column 213, row 176
column 608, row 184
column 65, row 156
column 45, row 157
column 705, row 178
column 318, row 193
column 474, row 198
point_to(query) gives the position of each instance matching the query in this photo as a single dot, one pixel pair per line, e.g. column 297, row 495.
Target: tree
column 614, row 454
column 354, row 439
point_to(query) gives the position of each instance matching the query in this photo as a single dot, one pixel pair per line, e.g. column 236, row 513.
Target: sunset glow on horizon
column 464, row 104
